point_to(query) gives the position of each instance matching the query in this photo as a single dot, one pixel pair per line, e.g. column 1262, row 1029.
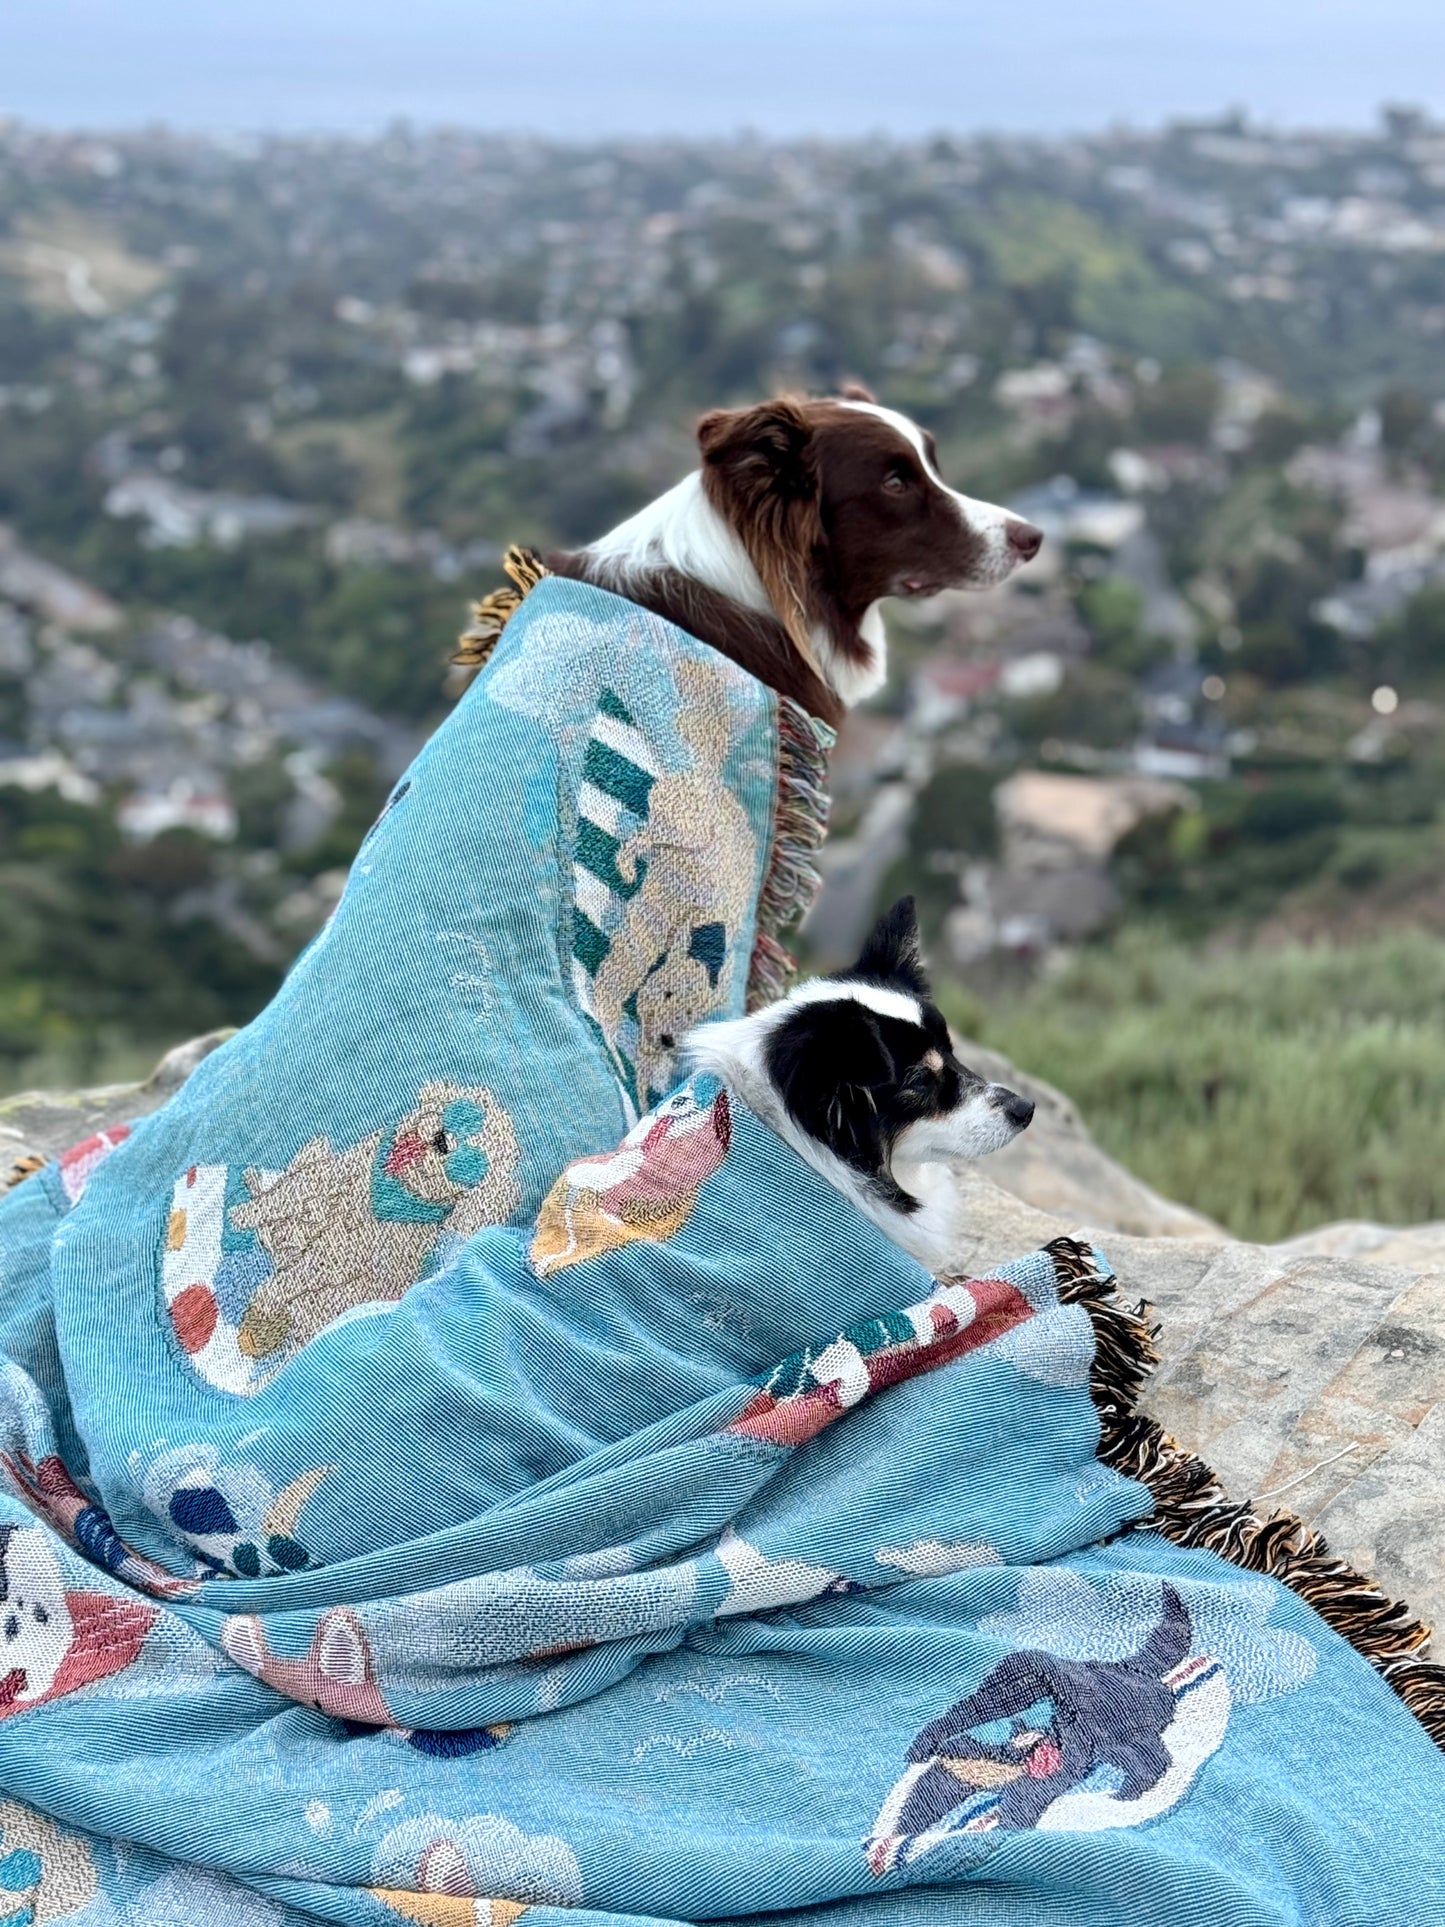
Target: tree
column 1112, row 610
column 1411, row 648
column 1404, row 412
column 1179, row 407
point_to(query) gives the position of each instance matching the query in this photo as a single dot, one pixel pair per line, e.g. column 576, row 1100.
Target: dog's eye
column 441, row 1142
column 894, row 482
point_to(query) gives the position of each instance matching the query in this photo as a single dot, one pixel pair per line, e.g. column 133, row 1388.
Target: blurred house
column 174, row 516
column 51, row 593
column 1051, row 884
column 195, row 803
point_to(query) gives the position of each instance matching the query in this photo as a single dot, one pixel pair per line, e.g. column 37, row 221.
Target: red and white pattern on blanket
column 811, row 1389
column 78, row 1163
column 54, row 1641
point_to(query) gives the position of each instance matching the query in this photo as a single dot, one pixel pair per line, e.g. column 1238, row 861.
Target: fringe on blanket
column 1193, row 1508
column 489, row 616
column 800, row 819
column 800, row 822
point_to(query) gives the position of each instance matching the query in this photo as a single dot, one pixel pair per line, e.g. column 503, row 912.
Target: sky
column 784, row 67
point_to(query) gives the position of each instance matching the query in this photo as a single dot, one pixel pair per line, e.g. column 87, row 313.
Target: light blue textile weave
column 448, row 1479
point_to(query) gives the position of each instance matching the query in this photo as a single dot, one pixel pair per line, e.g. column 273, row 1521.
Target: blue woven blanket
column 454, row 1471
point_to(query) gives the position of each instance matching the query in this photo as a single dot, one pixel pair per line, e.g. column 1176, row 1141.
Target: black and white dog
column 857, row 1072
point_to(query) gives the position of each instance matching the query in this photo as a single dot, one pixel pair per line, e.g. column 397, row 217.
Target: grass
column 39, row 253
column 1274, row 1089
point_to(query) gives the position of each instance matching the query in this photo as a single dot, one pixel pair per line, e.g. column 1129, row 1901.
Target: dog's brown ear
column 856, row 391
column 761, row 473
column 764, row 448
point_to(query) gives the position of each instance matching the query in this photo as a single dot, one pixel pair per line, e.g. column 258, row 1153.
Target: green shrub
column 1410, row 648
column 1112, row 610
column 1094, row 704
column 1289, row 808
column 954, row 811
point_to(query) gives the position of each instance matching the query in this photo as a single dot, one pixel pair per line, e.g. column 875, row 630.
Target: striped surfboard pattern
column 618, row 773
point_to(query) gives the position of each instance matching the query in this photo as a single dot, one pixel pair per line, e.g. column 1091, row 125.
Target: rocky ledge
column 1310, row 1373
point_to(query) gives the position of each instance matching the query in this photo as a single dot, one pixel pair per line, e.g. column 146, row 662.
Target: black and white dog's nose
column 1018, row 1110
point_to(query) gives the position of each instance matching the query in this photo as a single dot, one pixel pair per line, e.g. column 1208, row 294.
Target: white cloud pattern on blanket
column 759, row 1582
column 492, row 1855
column 933, row 1557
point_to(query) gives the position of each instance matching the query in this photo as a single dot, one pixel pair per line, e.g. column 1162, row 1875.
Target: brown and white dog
column 804, row 516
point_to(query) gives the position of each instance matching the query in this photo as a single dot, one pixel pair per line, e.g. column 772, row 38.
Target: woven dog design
column 46, row 1874
column 347, row 1228
column 337, row 1673
column 684, row 880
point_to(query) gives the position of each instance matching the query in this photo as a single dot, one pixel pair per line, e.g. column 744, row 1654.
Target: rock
column 1307, row 1381
column 1420, row 1246
column 41, row 1124
column 1309, row 1374
column 177, row 1064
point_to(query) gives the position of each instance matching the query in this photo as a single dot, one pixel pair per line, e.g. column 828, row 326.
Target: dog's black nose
column 1018, row 1110
column 1024, row 539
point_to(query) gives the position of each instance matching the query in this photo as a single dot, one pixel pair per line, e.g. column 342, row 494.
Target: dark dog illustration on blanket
column 1040, row 1728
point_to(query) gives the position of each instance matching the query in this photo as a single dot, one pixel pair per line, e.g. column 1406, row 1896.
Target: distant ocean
column 833, row 67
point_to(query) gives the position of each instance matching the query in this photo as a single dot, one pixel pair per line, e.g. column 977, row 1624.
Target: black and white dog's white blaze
column 858, row 1071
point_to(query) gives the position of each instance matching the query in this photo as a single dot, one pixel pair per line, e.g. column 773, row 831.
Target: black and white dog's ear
column 893, row 953
column 829, row 1064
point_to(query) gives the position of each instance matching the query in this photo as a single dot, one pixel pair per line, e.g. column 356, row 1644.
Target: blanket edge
column 791, row 877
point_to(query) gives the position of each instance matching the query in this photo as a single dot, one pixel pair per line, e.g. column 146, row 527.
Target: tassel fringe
column 800, row 822
column 1192, row 1508
column 490, row 616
